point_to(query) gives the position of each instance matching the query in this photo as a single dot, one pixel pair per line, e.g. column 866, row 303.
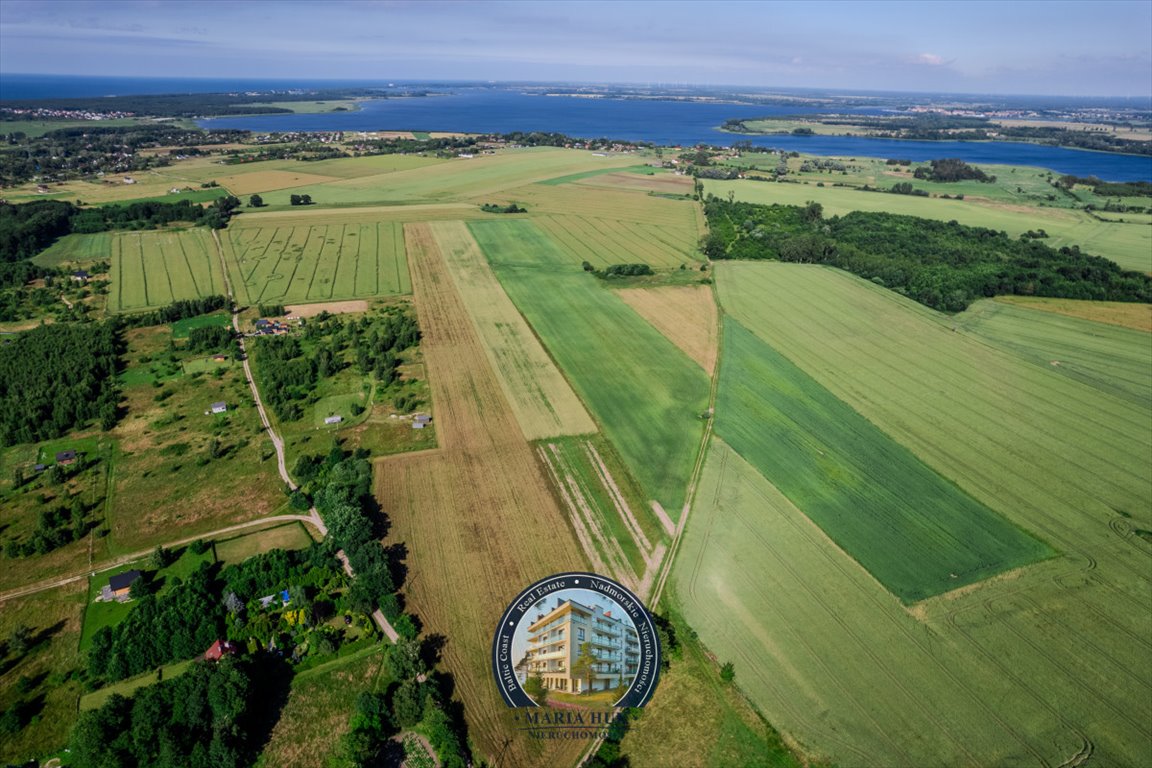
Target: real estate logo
column 573, row 647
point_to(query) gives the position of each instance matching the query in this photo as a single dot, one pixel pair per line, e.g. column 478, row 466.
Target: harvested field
column 686, row 315
column 267, row 181
column 664, row 183
column 331, row 307
column 476, row 515
column 1122, row 313
column 307, row 216
column 544, row 403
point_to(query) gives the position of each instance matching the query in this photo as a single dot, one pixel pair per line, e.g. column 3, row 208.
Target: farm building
column 64, row 458
column 80, row 276
column 219, row 407
column 120, row 584
column 219, row 358
column 333, row 419
column 220, row 649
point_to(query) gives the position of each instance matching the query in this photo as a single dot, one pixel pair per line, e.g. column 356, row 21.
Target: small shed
column 121, row 583
column 219, row 407
column 419, row 424
column 421, row 418
column 39, row 467
column 333, row 419
column 80, row 276
column 64, row 458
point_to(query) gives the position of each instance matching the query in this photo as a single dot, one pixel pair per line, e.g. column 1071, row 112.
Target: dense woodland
column 944, row 265
column 209, row 717
column 57, row 378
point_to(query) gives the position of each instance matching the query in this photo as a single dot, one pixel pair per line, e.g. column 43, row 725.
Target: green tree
column 255, row 201
column 585, row 665
column 534, row 687
column 728, row 672
column 408, row 703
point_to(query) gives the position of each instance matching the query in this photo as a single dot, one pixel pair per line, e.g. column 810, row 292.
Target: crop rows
column 153, row 269
column 318, row 262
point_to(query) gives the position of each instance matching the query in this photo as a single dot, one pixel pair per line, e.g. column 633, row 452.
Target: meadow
column 1045, row 663
column 153, row 269
column 544, row 403
column 1129, row 244
column 316, row 262
column 650, row 406
column 910, row 528
column 76, row 248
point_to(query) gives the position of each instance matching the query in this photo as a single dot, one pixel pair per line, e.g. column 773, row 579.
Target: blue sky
column 977, row 46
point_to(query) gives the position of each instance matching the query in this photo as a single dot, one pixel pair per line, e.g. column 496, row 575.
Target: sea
column 491, row 108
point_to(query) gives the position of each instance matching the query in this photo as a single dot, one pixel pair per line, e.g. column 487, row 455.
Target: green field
column 153, row 269
column 914, row 531
column 649, row 406
column 126, row 688
column 317, row 262
column 76, row 248
column 180, row 328
column 1128, row 244
column 240, row 548
column 1047, row 663
column 1109, row 358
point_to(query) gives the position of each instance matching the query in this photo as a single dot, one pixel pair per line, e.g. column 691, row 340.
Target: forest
column 56, row 378
column 944, row 265
column 209, row 717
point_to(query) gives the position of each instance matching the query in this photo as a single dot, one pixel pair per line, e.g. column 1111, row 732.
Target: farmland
column 915, row 532
column 543, row 402
column 153, row 269
column 316, row 262
column 1042, row 664
column 685, row 314
column 477, row 505
column 76, row 248
column 651, row 405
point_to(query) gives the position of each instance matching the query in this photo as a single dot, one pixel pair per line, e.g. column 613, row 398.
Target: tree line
column 944, row 265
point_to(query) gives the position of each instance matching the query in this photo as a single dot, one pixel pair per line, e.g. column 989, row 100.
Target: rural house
column 220, row 649
column 219, row 407
column 333, row 419
column 120, row 584
column 65, row 458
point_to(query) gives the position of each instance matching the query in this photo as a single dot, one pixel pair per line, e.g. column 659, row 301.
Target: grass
column 686, row 314
column 544, row 403
column 180, row 328
column 153, row 269
column 54, row 620
column 126, row 688
column 824, row 650
column 240, row 548
column 167, row 484
column 76, row 248
column 914, row 531
column 568, row 178
column 319, row 710
column 317, row 262
column 649, row 407
column 1128, row 244
column 337, row 405
column 98, row 615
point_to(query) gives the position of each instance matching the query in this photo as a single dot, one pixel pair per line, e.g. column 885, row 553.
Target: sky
column 1049, row 47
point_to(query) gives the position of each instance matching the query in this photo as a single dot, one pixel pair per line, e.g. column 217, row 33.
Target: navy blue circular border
column 503, row 665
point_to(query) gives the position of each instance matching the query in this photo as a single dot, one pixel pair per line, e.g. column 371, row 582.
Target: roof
column 333, row 419
column 65, row 455
column 123, row 580
column 219, row 649
column 220, row 404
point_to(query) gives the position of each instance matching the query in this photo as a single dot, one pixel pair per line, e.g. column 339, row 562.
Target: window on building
column 580, row 633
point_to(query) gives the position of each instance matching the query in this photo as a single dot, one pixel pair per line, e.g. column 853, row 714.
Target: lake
column 668, row 123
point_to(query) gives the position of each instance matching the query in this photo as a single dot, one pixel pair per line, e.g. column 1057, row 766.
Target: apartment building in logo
column 558, row 639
